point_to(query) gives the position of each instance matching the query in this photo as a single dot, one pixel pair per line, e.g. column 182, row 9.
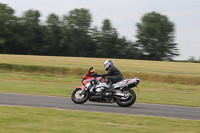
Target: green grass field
column 45, row 120
column 161, row 67
column 162, row 83
column 168, row 72
column 63, row 85
column 59, row 76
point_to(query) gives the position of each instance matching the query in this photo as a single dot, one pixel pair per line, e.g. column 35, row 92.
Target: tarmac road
column 181, row 112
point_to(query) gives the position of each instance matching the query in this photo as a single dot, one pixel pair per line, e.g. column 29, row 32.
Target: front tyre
column 130, row 100
column 79, row 98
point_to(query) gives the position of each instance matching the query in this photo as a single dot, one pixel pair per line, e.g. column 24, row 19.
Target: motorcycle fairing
column 81, row 87
column 125, row 82
column 86, row 79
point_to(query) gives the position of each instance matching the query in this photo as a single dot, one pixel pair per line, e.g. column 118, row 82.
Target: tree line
column 73, row 35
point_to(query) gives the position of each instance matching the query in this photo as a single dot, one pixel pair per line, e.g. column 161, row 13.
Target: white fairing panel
column 125, row 82
column 100, row 84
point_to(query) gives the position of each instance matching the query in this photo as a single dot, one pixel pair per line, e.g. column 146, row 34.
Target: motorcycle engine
column 99, row 89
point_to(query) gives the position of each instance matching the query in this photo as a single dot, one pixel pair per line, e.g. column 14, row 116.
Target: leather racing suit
column 112, row 76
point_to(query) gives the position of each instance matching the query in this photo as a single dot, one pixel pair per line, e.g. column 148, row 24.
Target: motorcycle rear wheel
column 129, row 101
column 77, row 98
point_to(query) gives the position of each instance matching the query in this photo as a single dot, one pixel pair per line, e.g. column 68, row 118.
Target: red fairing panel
column 81, row 87
column 86, row 81
column 87, row 77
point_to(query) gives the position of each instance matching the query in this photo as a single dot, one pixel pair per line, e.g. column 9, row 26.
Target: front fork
column 83, row 91
column 88, row 87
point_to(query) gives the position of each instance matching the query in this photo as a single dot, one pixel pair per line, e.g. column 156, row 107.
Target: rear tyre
column 129, row 101
column 79, row 98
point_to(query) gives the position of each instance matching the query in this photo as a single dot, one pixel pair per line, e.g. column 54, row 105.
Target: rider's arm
column 106, row 74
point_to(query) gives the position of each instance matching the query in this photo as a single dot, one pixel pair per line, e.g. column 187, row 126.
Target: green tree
column 108, row 41
column 79, row 19
column 76, row 33
column 128, row 49
column 31, row 32
column 7, row 20
column 52, row 35
column 71, row 36
column 155, row 37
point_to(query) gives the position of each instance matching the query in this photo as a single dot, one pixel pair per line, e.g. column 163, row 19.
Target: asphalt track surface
column 180, row 112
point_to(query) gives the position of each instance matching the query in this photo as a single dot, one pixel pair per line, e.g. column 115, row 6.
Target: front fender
column 81, row 87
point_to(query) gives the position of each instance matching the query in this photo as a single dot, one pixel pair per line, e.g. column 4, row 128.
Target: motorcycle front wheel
column 128, row 101
column 79, row 98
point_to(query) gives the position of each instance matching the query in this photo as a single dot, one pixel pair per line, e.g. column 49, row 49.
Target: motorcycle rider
column 113, row 75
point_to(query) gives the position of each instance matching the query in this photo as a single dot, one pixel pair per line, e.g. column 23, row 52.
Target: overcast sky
column 124, row 14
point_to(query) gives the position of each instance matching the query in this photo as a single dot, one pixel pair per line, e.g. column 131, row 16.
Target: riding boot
column 110, row 89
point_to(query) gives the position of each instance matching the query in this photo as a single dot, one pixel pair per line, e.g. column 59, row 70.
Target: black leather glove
column 94, row 74
column 98, row 75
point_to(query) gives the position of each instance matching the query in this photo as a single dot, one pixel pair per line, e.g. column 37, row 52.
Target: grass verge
column 63, row 85
column 124, row 64
column 46, row 120
column 77, row 71
column 168, row 72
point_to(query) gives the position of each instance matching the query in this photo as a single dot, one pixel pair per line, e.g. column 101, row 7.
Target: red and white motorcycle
column 94, row 89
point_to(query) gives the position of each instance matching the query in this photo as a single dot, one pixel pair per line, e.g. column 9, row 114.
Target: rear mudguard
column 81, row 87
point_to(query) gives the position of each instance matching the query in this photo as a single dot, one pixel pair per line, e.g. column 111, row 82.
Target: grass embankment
column 34, row 120
column 168, row 72
column 162, row 82
column 191, row 69
column 63, row 85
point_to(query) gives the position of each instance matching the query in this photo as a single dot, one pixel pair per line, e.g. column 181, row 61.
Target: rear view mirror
column 90, row 69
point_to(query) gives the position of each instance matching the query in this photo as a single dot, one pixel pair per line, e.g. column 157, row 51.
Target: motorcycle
column 94, row 89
